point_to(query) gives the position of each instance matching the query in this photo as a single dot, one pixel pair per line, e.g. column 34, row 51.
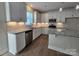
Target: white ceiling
column 47, row 6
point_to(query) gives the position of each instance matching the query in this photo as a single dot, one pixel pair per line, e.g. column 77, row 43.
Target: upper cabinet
column 37, row 17
column 44, row 17
column 75, row 13
column 16, row 11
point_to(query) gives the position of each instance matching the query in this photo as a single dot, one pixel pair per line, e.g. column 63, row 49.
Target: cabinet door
column 44, row 17
column 36, row 33
column 12, row 43
column 45, row 30
column 75, row 13
column 20, row 40
column 17, row 11
column 38, row 17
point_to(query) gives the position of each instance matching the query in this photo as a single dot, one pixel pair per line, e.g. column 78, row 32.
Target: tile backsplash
column 15, row 25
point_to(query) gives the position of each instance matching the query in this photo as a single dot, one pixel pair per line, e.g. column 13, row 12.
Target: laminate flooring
column 39, row 47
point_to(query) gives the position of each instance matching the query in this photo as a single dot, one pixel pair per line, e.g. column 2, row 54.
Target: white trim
column 3, row 51
column 7, row 8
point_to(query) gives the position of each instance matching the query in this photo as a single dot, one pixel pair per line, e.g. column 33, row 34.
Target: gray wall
column 3, row 30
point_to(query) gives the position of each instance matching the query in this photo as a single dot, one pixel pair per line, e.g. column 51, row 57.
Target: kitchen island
column 64, row 40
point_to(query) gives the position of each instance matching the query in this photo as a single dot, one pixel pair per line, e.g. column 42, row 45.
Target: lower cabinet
column 36, row 32
column 44, row 30
column 16, row 42
column 65, row 44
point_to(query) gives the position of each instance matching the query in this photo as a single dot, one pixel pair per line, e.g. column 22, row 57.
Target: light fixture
column 34, row 23
column 46, row 23
column 12, row 23
column 21, row 23
column 30, row 5
column 59, row 30
column 60, row 9
column 77, row 7
column 42, row 23
column 39, row 24
column 59, row 25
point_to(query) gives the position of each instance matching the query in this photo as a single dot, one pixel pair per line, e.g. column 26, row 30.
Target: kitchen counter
column 18, row 30
column 65, row 41
column 23, row 29
column 64, row 32
column 39, row 27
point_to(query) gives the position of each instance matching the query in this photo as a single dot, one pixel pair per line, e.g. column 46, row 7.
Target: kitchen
column 42, row 24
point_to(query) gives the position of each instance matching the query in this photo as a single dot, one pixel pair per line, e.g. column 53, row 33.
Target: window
column 29, row 16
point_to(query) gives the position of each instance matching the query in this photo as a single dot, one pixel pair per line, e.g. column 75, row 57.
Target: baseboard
column 2, row 52
column 37, row 37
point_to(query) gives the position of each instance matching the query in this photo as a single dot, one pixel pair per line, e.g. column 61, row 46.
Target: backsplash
column 15, row 25
column 43, row 25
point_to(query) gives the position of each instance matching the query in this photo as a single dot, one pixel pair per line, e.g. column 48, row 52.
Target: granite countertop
column 22, row 29
column 64, row 32
column 15, row 31
column 34, row 27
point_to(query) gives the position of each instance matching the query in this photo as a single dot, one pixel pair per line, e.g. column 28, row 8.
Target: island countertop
column 65, row 41
column 64, row 32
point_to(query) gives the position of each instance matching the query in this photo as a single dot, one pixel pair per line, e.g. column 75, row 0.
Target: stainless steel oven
column 52, row 23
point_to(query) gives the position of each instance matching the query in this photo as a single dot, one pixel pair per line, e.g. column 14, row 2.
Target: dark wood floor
column 39, row 47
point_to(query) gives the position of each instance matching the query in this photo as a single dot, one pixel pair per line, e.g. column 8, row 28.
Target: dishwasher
column 28, row 37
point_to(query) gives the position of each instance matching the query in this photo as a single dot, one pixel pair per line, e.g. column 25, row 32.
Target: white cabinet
column 64, row 44
column 20, row 39
column 16, row 42
column 44, row 17
column 38, row 17
column 45, row 30
column 75, row 13
column 15, row 11
column 36, row 33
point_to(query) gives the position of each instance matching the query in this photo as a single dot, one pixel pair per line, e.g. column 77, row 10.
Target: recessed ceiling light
column 60, row 9
column 77, row 7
